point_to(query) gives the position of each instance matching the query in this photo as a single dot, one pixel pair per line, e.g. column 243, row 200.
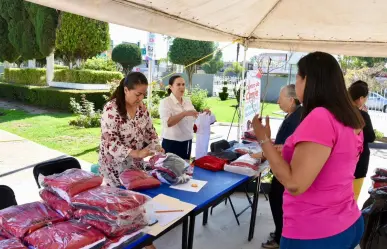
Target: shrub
column 37, row 76
column 224, row 94
column 50, row 97
column 86, row 76
column 378, row 134
column 60, row 67
column 86, row 117
column 100, row 64
column 26, row 76
column 198, row 98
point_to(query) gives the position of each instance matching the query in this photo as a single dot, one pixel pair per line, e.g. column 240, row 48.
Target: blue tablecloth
column 218, row 183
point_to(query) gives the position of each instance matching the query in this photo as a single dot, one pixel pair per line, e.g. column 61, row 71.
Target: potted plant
column 224, row 94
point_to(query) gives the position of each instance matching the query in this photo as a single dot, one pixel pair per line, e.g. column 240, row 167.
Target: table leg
column 191, row 232
column 205, row 217
column 185, row 233
column 254, row 208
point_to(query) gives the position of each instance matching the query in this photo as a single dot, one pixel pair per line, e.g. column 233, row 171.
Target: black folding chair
column 7, row 197
column 55, row 166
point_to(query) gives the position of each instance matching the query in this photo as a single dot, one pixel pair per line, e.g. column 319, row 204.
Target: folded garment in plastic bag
column 170, row 168
column 121, row 220
column 110, row 227
column 245, row 165
column 57, row 203
column 381, row 172
column 226, row 155
column 66, row 235
column 116, row 201
column 70, row 183
column 210, row 163
column 138, row 180
column 243, row 149
column 13, row 243
column 24, row 219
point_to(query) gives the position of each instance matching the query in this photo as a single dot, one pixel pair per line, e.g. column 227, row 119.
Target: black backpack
column 375, row 217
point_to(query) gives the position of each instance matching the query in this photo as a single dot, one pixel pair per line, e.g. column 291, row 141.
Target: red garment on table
column 125, row 219
column 71, row 182
column 138, row 180
column 57, row 203
column 65, row 235
column 13, row 243
column 24, row 219
column 111, row 229
column 110, row 199
column 210, row 163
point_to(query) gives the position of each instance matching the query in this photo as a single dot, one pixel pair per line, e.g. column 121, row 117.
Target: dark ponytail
column 171, row 81
column 130, row 81
column 358, row 89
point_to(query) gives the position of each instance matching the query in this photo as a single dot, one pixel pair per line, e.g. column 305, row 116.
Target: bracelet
column 263, row 141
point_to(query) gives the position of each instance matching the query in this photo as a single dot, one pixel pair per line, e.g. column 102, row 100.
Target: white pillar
column 242, row 95
column 50, row 68
column 150, row 80
column 32, row 63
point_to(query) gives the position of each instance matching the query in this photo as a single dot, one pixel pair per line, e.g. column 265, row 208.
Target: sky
column 120, row 34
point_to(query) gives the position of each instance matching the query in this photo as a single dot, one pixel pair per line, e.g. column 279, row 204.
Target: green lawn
column 224, row 111
column 52, row 130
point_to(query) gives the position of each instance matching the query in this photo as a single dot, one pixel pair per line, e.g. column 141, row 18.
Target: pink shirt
column 328, row 207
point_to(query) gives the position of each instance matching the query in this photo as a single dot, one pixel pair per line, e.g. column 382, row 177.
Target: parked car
column 377, row 102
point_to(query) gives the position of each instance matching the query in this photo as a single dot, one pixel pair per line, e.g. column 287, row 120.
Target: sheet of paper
column 161, row 201
column 166, row 218
column 191, row 186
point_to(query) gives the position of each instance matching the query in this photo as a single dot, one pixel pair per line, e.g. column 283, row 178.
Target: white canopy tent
column 339, row 27
column 335, row 26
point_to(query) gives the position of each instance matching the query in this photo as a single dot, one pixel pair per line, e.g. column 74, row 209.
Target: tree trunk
column 190, row 71
column 50, row 68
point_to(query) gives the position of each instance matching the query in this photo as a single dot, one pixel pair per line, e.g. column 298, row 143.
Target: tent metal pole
column 242, row 93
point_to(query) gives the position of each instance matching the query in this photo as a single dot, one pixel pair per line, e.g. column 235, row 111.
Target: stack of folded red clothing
column 244, row 165
column 59, row 188
column 66, row 235
column 19, row 221
column 112, row 210
column 133, row 179
column 70, row 183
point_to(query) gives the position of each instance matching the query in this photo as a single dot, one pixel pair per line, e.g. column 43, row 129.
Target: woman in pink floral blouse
column 128, row 135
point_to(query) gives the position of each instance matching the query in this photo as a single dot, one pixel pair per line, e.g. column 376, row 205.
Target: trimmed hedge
column 86, row 76
column 37, row 76
column 60, row 67
column 50, row 97
column 26, row 76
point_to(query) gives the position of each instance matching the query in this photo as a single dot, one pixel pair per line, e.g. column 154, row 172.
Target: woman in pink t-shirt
column 318, row 161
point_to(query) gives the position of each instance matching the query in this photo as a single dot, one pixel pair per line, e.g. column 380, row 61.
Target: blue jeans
column 348, row 239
